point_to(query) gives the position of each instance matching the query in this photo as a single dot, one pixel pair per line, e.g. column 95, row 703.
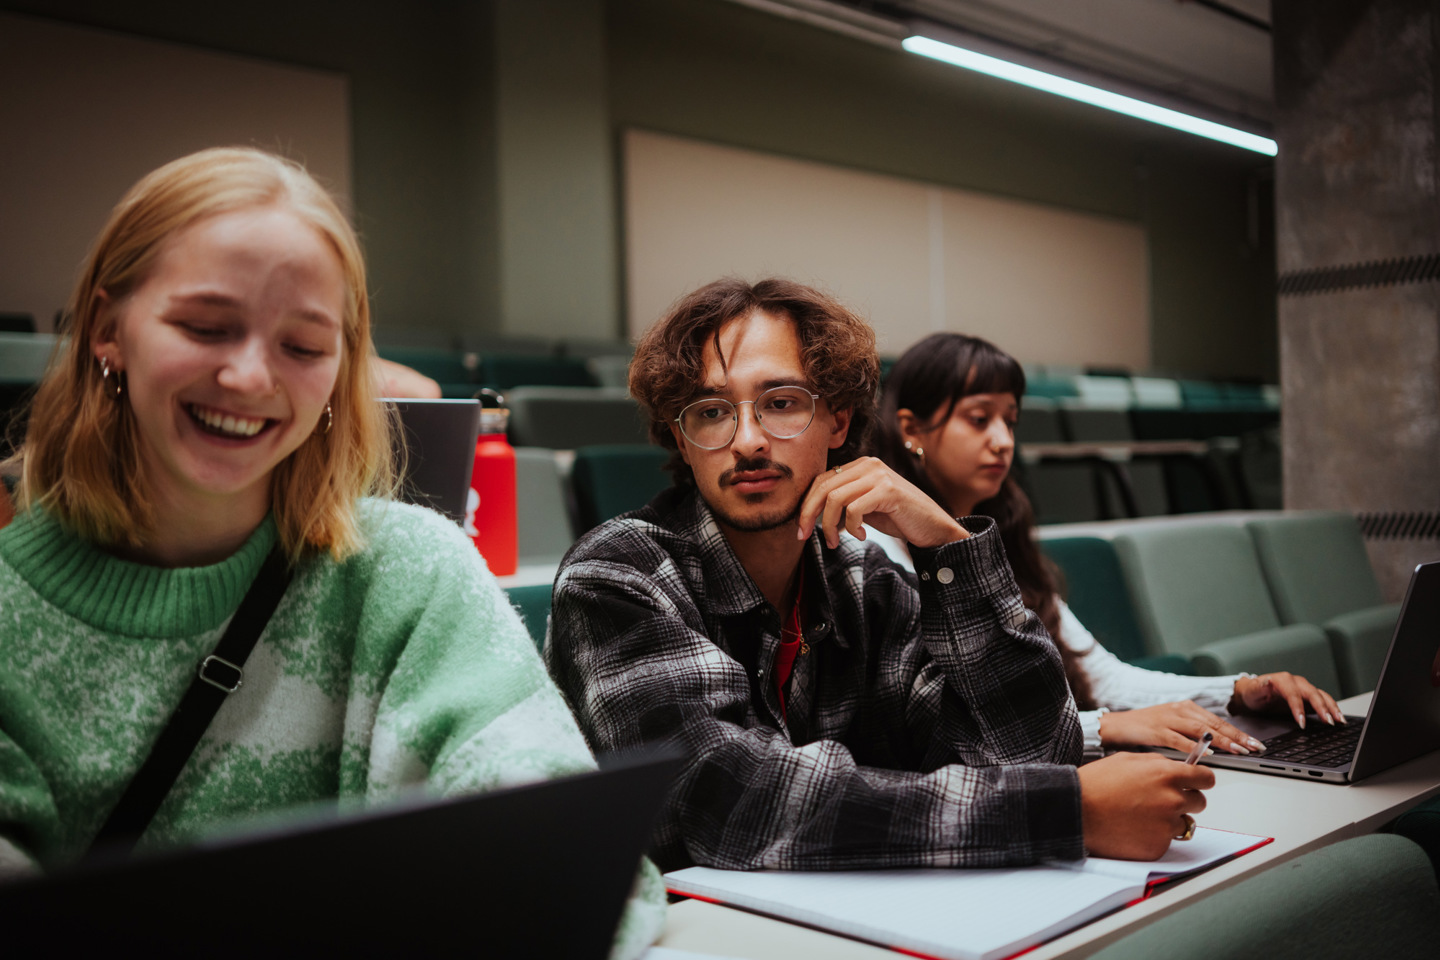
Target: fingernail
column 1256, row 745
column 1341, row 718
column 1328, row 719
column 1240, row 750
column 1300, row 719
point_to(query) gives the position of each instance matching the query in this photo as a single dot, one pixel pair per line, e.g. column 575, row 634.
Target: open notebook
column 958, row 914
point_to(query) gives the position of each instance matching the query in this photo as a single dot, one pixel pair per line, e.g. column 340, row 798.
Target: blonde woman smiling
column 213, row 407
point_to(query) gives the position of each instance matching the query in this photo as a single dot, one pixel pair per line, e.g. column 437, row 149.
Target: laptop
column 542, row 870
column 1404, row 717
column 440, row 452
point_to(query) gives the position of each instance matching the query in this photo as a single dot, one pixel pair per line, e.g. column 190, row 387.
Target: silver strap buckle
column 219, row 683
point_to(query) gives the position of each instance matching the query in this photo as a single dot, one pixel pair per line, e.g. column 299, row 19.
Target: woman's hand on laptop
column 1281, row 691
column 1176, row 725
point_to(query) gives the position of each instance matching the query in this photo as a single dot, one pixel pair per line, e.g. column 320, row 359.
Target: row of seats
column 1232, row 593
column 1122, row 391
column 1048, row 421
column 1235, row 474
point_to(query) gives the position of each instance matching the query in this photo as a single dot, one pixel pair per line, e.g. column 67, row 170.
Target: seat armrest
column 1359, row 641
column 1301, row 648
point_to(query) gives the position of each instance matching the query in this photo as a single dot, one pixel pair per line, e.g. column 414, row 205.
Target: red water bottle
column 490, row 512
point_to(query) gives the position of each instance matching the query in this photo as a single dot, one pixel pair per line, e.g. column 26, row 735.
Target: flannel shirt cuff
column 1052, row 810
column 968, row 569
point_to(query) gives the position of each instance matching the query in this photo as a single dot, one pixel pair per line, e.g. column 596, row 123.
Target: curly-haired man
column 836, row 712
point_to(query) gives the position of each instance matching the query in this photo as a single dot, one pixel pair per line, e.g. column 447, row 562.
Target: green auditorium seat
column 504, row 371
column 611, row 480
column 454, row 370
column 1199, row 592
column 564, row 418
column 1063, row 491
column 1098, row 596
column 1370, row 896
column 1146, row 475
column 533, row 605
column 1319, row 572
column 1422, row 825
column 542, row 510
column 1039, row 423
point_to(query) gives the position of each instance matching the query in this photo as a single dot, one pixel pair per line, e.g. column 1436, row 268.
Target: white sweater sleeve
column 1117, row 685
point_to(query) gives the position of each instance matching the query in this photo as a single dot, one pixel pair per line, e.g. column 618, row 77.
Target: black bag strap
column 217, row 676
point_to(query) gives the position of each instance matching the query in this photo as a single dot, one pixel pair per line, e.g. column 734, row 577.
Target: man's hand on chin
column 867, row 491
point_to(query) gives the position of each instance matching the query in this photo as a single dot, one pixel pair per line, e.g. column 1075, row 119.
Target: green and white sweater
column 404, row 665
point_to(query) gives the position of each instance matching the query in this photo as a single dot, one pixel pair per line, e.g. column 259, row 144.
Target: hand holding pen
column 1201, row 748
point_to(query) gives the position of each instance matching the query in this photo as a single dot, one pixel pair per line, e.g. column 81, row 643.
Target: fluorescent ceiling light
column 1085, row 93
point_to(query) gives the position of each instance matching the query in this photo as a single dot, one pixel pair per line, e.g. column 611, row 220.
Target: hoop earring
column 329, row 420
column 115, row 388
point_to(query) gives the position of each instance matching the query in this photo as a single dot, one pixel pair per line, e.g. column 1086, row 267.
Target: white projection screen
column 86, row 113
column 1047, row 284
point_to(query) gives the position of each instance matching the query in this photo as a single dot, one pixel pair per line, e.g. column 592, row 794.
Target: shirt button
column 924, row 575
column 760, row 673
column 945, row 575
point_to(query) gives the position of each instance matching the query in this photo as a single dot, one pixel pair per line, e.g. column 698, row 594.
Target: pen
column 1200, row 748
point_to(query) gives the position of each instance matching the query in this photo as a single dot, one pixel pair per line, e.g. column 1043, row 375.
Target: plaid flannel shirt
column 930, row 724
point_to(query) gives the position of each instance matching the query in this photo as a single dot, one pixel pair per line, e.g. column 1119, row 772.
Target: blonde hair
column 80, row 459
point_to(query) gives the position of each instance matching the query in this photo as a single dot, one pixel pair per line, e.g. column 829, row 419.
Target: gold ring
column 1189, row 827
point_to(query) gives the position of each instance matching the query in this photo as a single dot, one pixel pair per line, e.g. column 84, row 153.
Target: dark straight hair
column 929, row 380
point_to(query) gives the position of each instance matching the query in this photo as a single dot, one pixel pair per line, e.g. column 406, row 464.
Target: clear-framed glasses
column 782, row 412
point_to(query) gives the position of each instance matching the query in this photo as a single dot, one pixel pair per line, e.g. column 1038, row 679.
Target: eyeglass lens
column 783, row 412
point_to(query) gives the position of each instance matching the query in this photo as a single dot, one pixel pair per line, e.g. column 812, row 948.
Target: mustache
column 751, row 466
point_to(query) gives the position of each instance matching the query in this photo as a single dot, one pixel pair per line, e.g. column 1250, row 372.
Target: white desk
column 1300, row 815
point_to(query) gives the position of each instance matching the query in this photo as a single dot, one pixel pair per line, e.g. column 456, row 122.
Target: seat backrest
column 1039, row 422
column 1368, row 896
column 1103, row 391
column 1062, row 491
column 1155, row 392
column 1193, row 584
column 1316, row 565
column 1203, row 395
column 542, row 511
column 564, row 418
column 609, row 371
column 442, row 366
column 24, row 356
column 504, row 371
column 1096, row 424
column 1096, row 592
column 611, row 480
column 532, row 602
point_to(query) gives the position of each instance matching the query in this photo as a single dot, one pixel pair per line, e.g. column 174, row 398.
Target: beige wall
column 1049, row 285
column 76, row 138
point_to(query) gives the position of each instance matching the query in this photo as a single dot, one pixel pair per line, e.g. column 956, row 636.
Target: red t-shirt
column 792, row 641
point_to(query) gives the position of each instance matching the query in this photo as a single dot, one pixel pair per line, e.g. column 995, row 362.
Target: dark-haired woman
column 947, row 424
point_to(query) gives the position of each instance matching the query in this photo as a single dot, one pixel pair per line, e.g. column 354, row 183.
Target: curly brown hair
column 837, row 350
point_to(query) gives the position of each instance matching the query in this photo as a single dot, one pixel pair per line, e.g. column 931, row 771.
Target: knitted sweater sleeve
column 464, row 701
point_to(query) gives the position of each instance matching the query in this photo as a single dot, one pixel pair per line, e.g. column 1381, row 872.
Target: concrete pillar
column 1357, row 89
column 558, row 234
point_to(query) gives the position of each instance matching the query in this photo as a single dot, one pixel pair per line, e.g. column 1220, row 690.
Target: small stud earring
column 116, row 387
column 917, row 452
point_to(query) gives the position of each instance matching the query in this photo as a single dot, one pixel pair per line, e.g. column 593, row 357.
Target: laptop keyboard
column 1320, row 745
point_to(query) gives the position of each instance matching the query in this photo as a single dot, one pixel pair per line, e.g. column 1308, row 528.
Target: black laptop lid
column 1404, row 718
column 440, row 452
column 536, row 871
